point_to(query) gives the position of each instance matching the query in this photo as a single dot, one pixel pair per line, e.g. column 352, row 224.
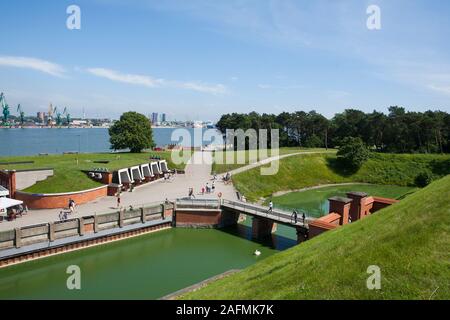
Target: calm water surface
column 32, row 141
column 145, row 267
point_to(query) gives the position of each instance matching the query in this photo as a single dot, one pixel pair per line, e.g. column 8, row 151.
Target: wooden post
column 163, row 213
column 18, row 237
column 81, row 226
column 95, row 224
column 51, row 232
column 121, row 219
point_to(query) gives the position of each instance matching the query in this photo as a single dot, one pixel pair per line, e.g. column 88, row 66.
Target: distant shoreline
column 65, row 127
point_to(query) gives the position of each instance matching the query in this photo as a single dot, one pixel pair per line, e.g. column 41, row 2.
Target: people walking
column 295, row 215
column 191, row 193
column 270, row 206
column 71, row 206
column 303, row 217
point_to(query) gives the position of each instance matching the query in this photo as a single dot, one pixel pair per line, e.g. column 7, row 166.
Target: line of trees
column 399, row 131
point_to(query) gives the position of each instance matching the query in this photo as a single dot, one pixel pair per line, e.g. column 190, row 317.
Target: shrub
column 353, row 152
column 423, row 179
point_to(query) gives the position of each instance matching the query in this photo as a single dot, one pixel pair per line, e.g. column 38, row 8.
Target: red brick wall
column 8, row 180
column 201, row 218
column 318, row 227
column 36, row 201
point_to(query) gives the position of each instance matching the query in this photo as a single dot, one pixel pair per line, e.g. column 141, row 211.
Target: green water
column 145, row 267
column 315, row 202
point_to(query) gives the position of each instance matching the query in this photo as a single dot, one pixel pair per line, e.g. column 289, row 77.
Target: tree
column 353, row 152
column 133, row 131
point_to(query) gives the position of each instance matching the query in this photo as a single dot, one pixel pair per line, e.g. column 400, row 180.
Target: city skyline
column 197, row 60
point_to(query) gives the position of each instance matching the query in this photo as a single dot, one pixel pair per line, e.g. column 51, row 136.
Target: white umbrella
column 4, row 192
column 6, row 203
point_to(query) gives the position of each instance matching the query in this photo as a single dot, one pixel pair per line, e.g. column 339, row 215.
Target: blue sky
column 197, row 59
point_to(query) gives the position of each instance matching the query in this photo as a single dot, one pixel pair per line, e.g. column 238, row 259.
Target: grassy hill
column 68, row 175
column 409, row 241
column 225, row 161
column 303, row 171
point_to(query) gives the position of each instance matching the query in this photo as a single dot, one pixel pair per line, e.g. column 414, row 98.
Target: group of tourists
column 206, row 189
column 209, row 188
column 63, row 214
column 227, row 178
column 294, row 216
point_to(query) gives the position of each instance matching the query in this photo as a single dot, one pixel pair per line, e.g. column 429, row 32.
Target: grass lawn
column 303, row 171
column 68, row 175
column 221, row 163
column 408, row 241
column 315, row 202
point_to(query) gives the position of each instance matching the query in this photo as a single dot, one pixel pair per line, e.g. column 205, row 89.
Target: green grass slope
column 303, row 171
column 221, row 164
column 409, row 241
column 68, row 175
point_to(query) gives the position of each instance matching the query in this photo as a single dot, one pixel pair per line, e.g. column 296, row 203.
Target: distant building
column 154, row 118
column 41, row 116
column 163, row 117
column 79, row 123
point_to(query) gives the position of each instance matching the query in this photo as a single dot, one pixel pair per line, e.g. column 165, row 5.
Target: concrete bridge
column 220, row 213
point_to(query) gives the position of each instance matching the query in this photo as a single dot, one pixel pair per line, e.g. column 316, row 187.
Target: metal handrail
column 260, row 210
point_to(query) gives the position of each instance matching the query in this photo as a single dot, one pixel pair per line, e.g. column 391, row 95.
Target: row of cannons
column 137, row 175
column 127, row 178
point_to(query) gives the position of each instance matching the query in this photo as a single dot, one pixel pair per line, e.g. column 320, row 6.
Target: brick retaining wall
column 60, row 200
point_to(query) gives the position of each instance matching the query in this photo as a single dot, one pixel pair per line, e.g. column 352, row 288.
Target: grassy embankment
column 301, row 171
column 408, row 241
column 222, row 164
column 68, row 175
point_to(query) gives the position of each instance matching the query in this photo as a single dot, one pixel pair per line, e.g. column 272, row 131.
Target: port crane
column 67, row 115
column 21, row 114
column 5, row 109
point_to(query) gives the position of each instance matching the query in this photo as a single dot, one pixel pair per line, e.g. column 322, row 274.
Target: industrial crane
column 5, row 109
column 58, row 117
column 21, row 114
column 67, row 115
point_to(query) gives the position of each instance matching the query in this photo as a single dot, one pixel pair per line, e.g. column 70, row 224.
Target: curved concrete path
column 198, row 173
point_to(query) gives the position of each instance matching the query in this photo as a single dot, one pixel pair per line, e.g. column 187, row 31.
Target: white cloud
column 441, row 89
column 126, row 78
column 32, row 63
column 201, row 87
column 151, row 82
column 281, row 87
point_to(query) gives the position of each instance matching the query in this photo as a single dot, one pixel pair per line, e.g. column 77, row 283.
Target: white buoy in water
column 257, row 253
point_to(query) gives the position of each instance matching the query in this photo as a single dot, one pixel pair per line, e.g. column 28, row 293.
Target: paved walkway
column 198, row 173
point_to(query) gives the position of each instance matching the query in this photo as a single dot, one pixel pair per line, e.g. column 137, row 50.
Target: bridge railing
column 197, row 203
column 262, row 211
